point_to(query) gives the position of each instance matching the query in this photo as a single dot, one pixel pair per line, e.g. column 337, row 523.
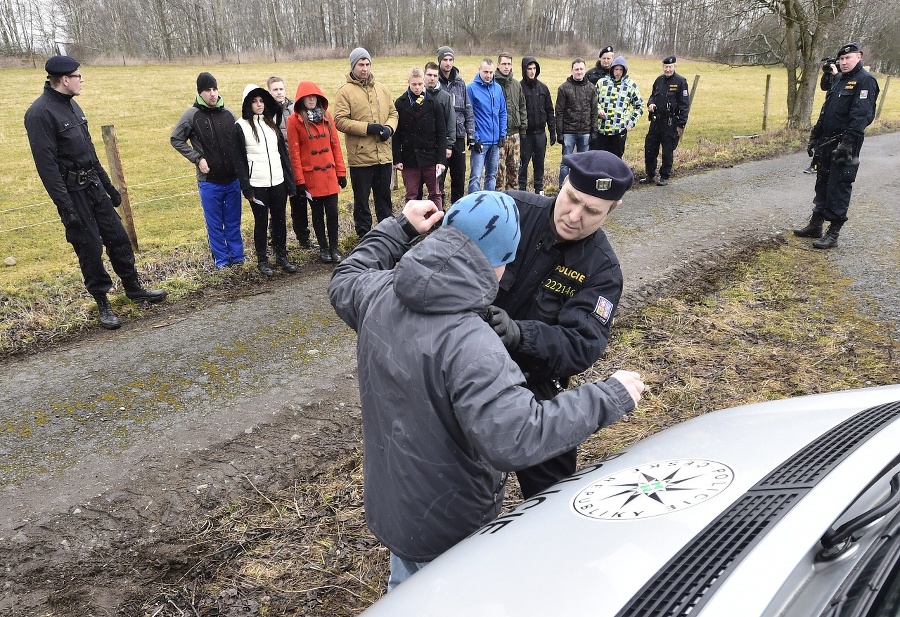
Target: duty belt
column 78, row 177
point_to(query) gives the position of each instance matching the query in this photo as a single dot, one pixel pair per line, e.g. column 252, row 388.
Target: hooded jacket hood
column 437, row 275
column 526, row 60
column 272, row 108
column 309, row 88
column 619, row 61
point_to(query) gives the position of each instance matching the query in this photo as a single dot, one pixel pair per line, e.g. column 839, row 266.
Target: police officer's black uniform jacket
column 597, row 73
column 848, row 109
column 62, row 148
column 672, row 100
column 563, row 295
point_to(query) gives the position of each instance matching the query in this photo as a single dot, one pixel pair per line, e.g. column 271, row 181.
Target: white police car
column 781, row 508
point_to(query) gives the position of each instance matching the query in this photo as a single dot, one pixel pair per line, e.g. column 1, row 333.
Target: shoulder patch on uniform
column 863, row 94
column 603, row 310
column 685, row 92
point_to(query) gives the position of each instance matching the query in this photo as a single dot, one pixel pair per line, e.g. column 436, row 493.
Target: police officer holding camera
column 80, row 188
column 836, row 140
column 669, row 104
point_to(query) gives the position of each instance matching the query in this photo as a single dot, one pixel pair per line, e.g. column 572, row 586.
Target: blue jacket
column 489, row 106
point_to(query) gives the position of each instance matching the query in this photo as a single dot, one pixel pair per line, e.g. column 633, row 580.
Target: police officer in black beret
column 80, row 188
column 668, row 107
column 558, row 297
column 836, row 140
column 602, row 68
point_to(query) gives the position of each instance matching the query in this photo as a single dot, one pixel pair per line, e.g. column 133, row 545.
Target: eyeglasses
column 76, row 76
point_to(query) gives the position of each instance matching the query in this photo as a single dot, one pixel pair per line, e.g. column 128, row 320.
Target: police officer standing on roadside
column 558, row 297
column 836, row 139
column 668, row 107
column 80, row 188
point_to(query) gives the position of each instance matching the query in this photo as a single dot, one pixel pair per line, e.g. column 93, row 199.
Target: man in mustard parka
column 364, row 111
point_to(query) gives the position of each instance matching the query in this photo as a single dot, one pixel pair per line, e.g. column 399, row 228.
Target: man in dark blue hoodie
column 539, row 108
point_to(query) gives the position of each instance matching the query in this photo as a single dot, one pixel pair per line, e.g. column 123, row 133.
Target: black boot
column 108, row 317
column 813, row 229
column 831, row 237
column 325, row 256
column 281, row 259
column 265, row 269
column 134, row 291
column 336, row 256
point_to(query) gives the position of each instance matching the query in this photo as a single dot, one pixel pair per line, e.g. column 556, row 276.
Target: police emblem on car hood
column 652, row 489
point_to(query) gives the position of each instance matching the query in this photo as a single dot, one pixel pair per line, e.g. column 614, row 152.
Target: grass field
column 43, row 292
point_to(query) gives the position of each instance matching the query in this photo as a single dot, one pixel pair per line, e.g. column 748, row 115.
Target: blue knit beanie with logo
column 491, row 219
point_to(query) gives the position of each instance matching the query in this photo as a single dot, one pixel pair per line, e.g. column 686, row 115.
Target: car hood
column 604, row 539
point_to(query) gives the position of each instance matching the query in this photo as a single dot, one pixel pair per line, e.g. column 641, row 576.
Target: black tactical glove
column 386, row 133
column 843, row 153
column 114, row 196
column 811, row 148
column 507, row 329
column 373, row 129
column 69, row 219
column 342, row 182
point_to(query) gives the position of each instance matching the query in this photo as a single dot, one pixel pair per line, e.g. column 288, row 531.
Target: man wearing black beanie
column 208, row 125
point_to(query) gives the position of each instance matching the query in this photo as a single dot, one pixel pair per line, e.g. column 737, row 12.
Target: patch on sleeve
column 685, row 93
column 604, row 309
column 863, row 94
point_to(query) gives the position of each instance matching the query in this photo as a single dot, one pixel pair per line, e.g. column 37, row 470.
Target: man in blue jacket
column 489, row 107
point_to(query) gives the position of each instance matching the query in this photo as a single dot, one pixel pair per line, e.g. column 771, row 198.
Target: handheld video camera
column 826, row 64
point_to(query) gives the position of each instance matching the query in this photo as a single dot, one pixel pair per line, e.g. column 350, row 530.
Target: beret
column 669, row 60
column 849, row 48
column 61, row 65
column 599, row 173
column 606, row 50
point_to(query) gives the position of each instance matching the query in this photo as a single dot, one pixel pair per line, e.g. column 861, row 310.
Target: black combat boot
column 831, row 237
column 265, row 269
column 281, row 259
column 108, row 317
column 134, row 291
column 813, row 229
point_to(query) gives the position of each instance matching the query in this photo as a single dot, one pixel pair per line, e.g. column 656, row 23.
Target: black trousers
column 834, row 184
column 612, row 143
column 299, row 218
column 375, row 179
column 325, row 216
column 665, row 136
column 100, row 226
column 274, row 199
column 456, row 167
column 533, row 148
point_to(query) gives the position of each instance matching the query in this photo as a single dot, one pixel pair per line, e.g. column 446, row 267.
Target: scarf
column 315, row 115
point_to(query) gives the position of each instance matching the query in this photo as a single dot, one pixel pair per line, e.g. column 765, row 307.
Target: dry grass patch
column 778, row 325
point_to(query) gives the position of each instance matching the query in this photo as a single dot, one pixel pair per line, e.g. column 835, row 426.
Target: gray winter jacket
column 445, row 410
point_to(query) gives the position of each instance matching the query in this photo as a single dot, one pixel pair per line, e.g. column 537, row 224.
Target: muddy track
column 119, row 443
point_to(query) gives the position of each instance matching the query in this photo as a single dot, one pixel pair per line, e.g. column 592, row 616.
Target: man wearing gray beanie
column 364, row 111
column 446, row 411
column 559, row 295
column 454, row 85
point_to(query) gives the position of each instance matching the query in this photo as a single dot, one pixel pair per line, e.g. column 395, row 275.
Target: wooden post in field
column 883, row 95
column 693, row 90
column 118, row 179
column 766, row 104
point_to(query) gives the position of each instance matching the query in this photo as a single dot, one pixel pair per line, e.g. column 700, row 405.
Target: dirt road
column 110, row 443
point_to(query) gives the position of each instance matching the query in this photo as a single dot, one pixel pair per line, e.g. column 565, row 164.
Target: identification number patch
column 604, row 309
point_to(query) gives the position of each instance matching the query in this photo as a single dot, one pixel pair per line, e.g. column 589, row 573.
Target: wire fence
column 130, row 187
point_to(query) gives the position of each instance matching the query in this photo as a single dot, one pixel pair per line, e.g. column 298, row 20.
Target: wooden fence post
column 766, row 104
column 883, row 95
column 118, row 179
column 693, row 91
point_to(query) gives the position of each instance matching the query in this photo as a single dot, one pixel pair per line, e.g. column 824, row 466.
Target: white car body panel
column 544, row 558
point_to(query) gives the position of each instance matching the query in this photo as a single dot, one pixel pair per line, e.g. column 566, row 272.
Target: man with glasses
column 81, row 189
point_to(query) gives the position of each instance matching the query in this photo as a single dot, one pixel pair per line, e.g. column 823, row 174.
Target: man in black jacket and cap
column 81, row 189
column 837, row 138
